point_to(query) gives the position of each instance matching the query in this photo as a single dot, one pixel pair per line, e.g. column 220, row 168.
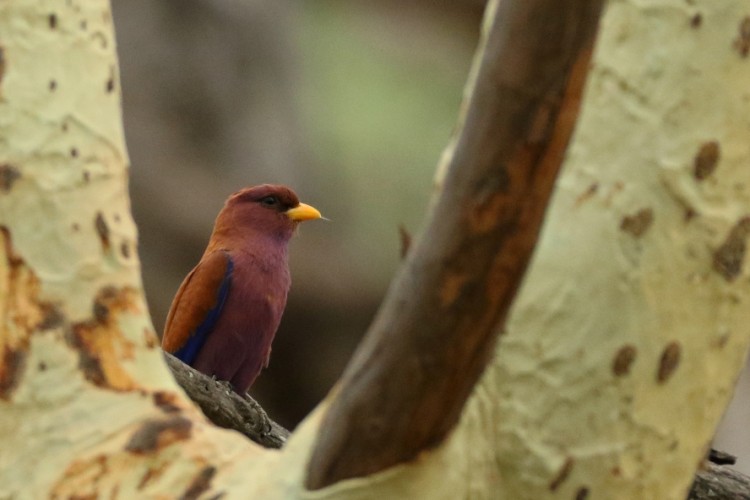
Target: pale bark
column 618, row 359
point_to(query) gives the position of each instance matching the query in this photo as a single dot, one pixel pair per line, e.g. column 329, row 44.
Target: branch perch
column 226, row 408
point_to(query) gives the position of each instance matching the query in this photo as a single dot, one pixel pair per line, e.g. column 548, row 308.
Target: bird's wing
column 197, row 306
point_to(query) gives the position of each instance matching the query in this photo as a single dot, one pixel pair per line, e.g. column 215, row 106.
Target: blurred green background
column 350, row 103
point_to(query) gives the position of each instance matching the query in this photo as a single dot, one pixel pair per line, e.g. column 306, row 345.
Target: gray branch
column 226, row 408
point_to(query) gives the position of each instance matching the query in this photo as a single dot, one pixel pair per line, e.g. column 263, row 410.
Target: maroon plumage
column 226, row 312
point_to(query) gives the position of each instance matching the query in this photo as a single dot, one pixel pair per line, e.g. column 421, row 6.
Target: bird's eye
column 270, row 201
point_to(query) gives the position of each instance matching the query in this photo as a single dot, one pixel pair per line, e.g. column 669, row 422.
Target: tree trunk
column 617, row 359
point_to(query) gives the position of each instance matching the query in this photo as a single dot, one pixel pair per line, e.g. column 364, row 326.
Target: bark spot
column 670, row 359
column 151, row 474
column 102, row 230
column 742, row 42
column 405, row 238
column 86, row 176
column 166, row 402
column 729, row 256
column 155, row 434
column 53, row 317
column 637, row 224
column 2, row 64
column 587, row 195
column 52, row 85
column 696, row 21
column 125, row 249
column 562, row 474
column 22, row 310
column 110, row 85
column 11, row 369
column 201, row 483
column 582, row 493
column 8, row 176
column 706, row 160
column 74, row 152
column 99, row 341
column 624, row 360
column 52, row 19
column 81, row 479
column 690, row 214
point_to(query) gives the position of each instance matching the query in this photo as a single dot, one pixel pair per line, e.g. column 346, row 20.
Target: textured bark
column 405, row 388
column 719, row 483
column 619, row 354
column 226, row 408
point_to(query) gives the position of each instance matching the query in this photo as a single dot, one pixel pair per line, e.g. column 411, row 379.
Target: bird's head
column 264, row 210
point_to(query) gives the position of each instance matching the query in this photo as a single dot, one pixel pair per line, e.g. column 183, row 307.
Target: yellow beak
column 303, row 212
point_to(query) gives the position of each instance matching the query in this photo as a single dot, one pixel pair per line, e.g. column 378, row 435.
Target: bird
column 227, row 310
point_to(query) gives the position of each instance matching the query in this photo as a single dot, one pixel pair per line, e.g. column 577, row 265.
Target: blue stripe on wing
column 188, row 352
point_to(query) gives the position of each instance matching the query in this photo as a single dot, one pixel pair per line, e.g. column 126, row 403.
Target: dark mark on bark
column 588, row 194
column 729, row 256
column 110, row 86
column 562, row 474
column 52, row 19
column 151, row 474
column 53, row 317
column 200, row 484
column 624, row 360
column 155, row 434
column 89, row 364
column 690, row 214
column 706, row 160
column 74, row 152
column 668, row 362
column 742, row 42
column 105, row 298
column 165, row 401
column 405, row 238
column 52, row 85
column 8, row 176
column 696, row 20
column 582, row 493
column 2, row 64
column 638, row 223
column 102, row 229
column 125, row 249
column 11, row 369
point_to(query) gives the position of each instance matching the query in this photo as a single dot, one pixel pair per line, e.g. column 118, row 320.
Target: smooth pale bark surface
column 621, row 351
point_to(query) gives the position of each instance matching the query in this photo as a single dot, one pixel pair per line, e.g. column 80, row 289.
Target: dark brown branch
column 407, row 383
column 226, row 408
